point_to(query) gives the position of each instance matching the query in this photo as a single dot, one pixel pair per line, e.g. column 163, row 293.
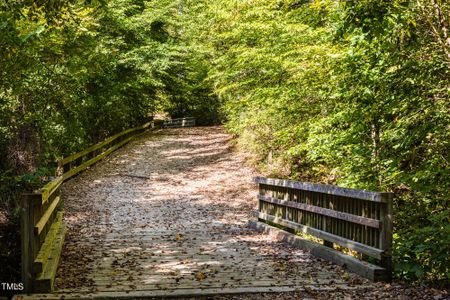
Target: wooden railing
column 181, row 122
column 72, row 165
column 42, row 229
column 354, row 219
column 42, row 235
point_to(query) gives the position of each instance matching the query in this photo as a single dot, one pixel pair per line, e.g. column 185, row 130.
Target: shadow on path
column 168, row 213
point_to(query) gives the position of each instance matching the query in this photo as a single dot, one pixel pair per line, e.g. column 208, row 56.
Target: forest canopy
column 353, row 93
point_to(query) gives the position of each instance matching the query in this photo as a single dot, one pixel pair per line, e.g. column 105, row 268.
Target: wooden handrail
column 355, row 219
column 324, row 211
column 325, row 189
column 42, row 229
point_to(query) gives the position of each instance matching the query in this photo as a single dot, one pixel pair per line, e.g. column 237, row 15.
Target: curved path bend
column 167, row 214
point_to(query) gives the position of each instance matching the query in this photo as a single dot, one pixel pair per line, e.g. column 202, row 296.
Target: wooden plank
column 48, row 189
column 201, row 293
column 353, row 264
column 370, row 251
column 212, row 275
column 114, row 286
column 45, row 280
column 324, row 211
column 168, row 294
column 43, row 221
column 323, row 188
column 49, row 242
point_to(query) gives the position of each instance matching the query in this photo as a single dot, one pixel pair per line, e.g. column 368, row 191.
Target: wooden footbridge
column 176, row 213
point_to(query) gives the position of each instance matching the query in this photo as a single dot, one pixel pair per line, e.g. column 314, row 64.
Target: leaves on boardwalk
column 184, row 227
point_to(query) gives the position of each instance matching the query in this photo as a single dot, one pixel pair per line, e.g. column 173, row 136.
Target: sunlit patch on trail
column 170, row 212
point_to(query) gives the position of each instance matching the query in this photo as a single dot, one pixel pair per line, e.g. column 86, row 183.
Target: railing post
column 327, row 224
column 386, row 218
column 60, row 168
column 261, row 204
column 259, row 201
column 27, row 241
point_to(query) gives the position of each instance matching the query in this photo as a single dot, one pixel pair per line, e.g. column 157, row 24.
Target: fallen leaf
column 200, row 276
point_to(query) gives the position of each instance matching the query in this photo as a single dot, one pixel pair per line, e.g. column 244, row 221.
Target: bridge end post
column 387, row 226
column 27, row 243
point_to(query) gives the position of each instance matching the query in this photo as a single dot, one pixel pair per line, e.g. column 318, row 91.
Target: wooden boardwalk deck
column 167, row 216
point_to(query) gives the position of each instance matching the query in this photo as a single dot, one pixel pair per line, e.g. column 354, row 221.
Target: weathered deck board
column 146, row 294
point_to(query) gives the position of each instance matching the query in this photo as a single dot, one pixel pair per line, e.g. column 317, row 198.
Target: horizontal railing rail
column 354, row 219
column 181, row 122
column 75, row 163
column 42, row 228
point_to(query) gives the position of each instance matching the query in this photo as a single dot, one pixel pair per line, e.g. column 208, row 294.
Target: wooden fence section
column 72, row 165
column 42, row 235
column 182, row 122
column 42, row 229
column 354, row 219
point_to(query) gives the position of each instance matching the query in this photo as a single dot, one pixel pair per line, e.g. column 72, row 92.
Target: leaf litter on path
column 169, row 210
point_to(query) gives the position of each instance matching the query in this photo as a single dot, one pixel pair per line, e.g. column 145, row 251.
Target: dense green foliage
column 73, row 73
column 354, row 93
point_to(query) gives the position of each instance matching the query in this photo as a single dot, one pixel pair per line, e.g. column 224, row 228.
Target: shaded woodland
column 353, row 93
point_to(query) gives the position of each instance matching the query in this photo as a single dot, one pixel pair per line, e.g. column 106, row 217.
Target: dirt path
column 167, row 215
